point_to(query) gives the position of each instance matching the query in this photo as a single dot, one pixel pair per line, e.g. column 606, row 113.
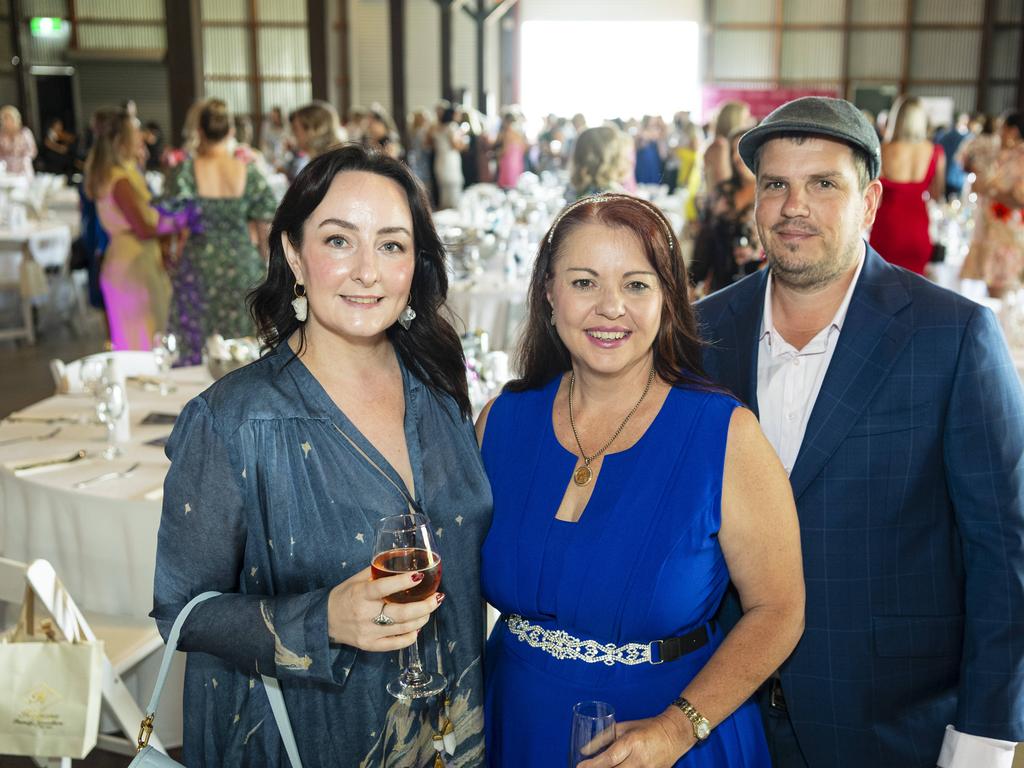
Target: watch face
column 703, row 730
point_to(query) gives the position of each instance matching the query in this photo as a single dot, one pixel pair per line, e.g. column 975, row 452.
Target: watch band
column 701, row 725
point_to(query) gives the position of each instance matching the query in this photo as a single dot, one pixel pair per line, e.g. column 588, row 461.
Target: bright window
column 608, row 69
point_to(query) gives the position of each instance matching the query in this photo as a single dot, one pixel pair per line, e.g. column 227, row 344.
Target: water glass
column 593, row 730
column 110, row 408
column 165, row 352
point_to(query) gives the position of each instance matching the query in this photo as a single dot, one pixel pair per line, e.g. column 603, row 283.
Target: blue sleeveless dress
column 642, row 563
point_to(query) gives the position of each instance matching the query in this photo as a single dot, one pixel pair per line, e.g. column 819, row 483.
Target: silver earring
column 300, row 303
column 408, row 315
column 552, row 317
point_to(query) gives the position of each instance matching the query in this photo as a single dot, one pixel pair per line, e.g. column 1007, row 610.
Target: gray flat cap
column 833, row 118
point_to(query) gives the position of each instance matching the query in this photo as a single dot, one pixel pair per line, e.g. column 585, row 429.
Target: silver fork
column 107, row 476
column 29, row 438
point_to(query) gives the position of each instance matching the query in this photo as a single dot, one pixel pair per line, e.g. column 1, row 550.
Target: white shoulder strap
column 270, row 684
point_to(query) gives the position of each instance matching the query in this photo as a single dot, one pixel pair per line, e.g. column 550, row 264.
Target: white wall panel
column 121, row 38
column 150, row 10
column 876, row 53
column 745, row 11
column 57, row 8
column 224, row 10
column 808, row 55
column 1005, row 53
column 738, row 55
column 226, row 51
column 964, row 96
column 946, row 11
column 280, row 10
column 941, row 54
column 616, row 10
column 287, row 96
column 371, row 53
column 234, row 92
column 464, row 55
column 813, row 11
column 283, row 51
column 422, row 53
column 877, row 11
column 492, row 72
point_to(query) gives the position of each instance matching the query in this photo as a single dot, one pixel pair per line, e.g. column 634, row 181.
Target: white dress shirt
column 788, row 383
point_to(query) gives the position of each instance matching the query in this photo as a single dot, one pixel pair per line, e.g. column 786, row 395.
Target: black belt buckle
column 775, row 698
column 671, row 648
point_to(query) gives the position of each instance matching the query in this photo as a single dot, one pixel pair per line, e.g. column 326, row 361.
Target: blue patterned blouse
column 267, row 502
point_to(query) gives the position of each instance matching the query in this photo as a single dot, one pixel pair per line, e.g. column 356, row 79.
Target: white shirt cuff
column 962, row 750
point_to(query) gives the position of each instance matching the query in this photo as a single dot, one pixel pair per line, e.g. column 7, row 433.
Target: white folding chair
column 67, row 377
column 126, row 641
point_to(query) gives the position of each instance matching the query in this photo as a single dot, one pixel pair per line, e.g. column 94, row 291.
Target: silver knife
column 49, row 462
column 107, row 476
column 29, row 438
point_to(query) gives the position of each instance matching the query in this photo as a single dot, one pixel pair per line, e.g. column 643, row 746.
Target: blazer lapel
column 748, row 309
column 873, row 336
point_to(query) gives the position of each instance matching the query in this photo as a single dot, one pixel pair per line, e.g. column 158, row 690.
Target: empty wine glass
column 165, row 352
column 110, row 408
column 406, row 544
column 91, row 373
column 593, row 730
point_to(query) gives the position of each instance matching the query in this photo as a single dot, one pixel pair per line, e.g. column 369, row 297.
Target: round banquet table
column 101, row 539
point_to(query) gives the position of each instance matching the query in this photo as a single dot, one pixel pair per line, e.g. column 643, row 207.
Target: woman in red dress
column 913, row 170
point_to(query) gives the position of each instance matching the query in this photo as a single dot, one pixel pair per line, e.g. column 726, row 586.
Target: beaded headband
column 607, row 197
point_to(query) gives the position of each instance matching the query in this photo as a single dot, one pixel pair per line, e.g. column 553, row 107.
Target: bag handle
column 270, row 685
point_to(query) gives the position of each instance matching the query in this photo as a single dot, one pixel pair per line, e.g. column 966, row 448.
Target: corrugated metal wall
column 422, row 53
column 102, row 84
column 464, row 55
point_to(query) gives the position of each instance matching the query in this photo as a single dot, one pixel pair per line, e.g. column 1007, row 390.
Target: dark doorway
column 56, row 100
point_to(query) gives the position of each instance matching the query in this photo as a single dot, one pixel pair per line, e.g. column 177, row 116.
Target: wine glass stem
column 413, row 672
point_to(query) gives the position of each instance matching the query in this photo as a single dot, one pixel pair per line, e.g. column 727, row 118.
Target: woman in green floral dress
column 219, row 263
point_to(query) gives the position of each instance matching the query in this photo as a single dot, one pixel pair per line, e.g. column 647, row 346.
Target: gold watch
column 701, row 726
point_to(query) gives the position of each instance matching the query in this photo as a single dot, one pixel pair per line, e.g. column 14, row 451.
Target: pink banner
column 761, row 100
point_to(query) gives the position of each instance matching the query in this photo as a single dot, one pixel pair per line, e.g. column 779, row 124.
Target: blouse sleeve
column 261, row 202
column 200, row 548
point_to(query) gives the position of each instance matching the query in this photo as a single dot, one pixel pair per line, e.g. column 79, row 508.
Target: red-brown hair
column 541, row 355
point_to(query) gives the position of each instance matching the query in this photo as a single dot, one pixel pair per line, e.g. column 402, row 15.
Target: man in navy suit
column 896, row 409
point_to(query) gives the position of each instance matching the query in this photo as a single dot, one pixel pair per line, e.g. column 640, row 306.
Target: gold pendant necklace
column 582, row 475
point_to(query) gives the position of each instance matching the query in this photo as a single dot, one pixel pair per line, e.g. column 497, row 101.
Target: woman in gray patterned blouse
column 268, row 502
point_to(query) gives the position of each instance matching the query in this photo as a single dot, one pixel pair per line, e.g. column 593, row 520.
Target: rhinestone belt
column 562, row 645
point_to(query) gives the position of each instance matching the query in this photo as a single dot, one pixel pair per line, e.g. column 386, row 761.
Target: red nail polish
column 440, row 597
column 417, row 577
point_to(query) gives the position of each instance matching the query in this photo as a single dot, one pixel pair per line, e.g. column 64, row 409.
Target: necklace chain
column 572, row 422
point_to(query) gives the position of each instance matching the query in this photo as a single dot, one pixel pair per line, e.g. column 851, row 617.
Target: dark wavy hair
column 541, row 355
column 431, row 348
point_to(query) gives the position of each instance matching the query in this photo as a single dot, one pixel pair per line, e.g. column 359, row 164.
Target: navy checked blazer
column 909, row 487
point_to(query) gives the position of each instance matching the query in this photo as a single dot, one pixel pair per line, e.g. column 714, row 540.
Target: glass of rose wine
column 406, row 544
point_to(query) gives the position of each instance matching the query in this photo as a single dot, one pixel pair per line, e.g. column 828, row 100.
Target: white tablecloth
column 489, row 304
column 101, row 540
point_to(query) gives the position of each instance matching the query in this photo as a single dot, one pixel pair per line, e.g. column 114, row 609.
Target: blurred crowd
column 149, row 201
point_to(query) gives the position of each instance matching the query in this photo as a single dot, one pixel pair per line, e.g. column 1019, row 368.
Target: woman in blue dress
column 280, row 471
column 627, row 492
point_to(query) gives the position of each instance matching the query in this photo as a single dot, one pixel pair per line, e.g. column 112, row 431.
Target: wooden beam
column 847, row 18
column 18, row 60
column 908, row 30
column 316, row 17
column 481, row 46
column 344, row 57
column 447, row 91
column 184, row 62
column 1020, row 70
column 396, row 13
column 74, row 24
column 777, row 37
column 256, row 92
column 498, row 12
column 984, row 64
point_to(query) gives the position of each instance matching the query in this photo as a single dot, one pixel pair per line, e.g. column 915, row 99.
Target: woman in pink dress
column 17, row 147
column 510, row 150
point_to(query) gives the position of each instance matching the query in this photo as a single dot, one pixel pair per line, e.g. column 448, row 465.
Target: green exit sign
column 45, row 26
